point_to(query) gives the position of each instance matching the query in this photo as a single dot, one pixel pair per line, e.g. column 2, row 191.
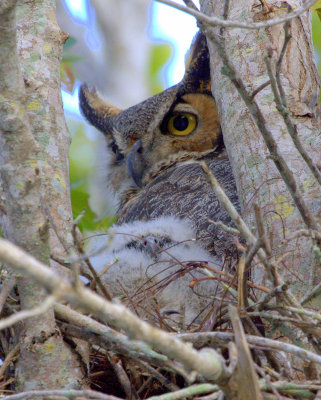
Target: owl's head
column 174, row 125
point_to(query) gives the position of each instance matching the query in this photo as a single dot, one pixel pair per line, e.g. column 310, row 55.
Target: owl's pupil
column 180, row 123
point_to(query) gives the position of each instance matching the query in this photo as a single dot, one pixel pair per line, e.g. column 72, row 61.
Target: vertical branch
column 282, row 106
column 287, row 175
column 24, row 182
column 246, row 108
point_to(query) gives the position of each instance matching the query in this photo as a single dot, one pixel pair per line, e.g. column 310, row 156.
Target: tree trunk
column 257, row 177
column 34, row 178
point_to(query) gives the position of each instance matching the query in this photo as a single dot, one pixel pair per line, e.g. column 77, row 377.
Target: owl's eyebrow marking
column 184, row 107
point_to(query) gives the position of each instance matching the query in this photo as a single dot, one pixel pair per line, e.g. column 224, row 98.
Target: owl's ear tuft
column 96, row 110
column 197, row 66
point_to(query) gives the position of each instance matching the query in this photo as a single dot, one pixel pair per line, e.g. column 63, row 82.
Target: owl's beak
column 136, row 163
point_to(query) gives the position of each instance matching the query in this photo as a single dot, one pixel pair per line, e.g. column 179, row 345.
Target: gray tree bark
column 34, row 145
column 257, row 177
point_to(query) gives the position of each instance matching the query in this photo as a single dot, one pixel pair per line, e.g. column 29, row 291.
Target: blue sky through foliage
column 167, row 24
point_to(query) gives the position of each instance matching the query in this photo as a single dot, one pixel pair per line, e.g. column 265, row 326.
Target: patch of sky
column 167, row 24
column 78, row 10
column 176, row 27
column 70, row 102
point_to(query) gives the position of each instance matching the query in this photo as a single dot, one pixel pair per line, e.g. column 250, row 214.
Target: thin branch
column 261, row 230
column 8, row 285
column 74, row 260
column 286, row 174
column 269, row 296
column 225, row 15
column 281, row 106
column 189, row 392
column 200, row 339
column 299, row 233
column 316, row 291
column 13, row 319
column 95, row 332
column 191, row 5
column 270, row 266
column 122, row 377
column 268, row 381
column 224, row 227
column 206, row 363
column 161, row 378
column 229, row 207
column 216, row 21
column 258, row 89
column 251, row 254
column 9, row 358
column 278, row 65
column 87, row 261
column 68, row 393
column 247, row 380
column 279, row 318
column 66, row 263
column 312, row 314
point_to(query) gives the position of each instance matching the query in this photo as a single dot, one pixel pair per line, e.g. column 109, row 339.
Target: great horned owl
column 166, row 206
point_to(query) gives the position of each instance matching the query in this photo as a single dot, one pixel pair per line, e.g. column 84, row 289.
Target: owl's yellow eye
column 182, row 124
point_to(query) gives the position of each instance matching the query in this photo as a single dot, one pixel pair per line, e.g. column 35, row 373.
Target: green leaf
column 81, row 165
column 318, row 11
column 71, row 58
column 69, row 43
column 159, row 56
column 89, row 222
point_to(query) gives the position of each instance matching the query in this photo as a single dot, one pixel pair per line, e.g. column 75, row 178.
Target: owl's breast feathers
column 182, row 190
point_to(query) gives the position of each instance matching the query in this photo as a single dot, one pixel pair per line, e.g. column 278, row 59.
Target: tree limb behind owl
column 165, row 204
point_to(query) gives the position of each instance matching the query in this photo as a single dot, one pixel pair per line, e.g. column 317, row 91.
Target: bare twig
column 286, row 174
column 9, row 358
column 268, row 381
column 107, row 337
column 242, row 291
column 312, row 314
column 224, row 227
column 189, row 392
column 279, row 318
column 258, row 89
column 74, row 260
column 161, row 378
column 122, row 377
column 278, row 65
column 227, row 204
column 269, row 296
column 191, row 5
column 67, row 264
column 270, row 266
column 299, row 233
column 216, row 21
column 13, row 319
column 207, row 363
column 68, row 393
column 251, row 254
column 8, row 285
column 247, row 382
column 261, row 231
column 316, row 291
column 281, row 105
column 200, row 339
column 87, row 261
